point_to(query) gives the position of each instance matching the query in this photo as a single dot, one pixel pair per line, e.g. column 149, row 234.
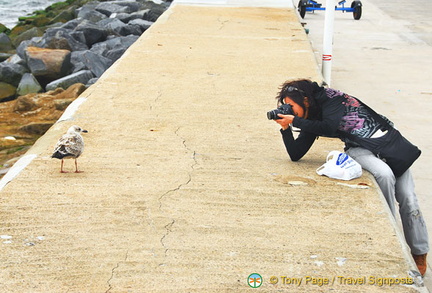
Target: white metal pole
column 328, row 41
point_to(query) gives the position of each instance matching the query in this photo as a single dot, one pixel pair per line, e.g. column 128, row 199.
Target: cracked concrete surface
column 113, row 272
column 183, row 171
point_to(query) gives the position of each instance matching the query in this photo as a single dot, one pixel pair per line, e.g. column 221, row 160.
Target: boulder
column 89, row 6
column 72, row 24
column 141, row 14
column 120, row 42
column 28, row 84
column 115, row 54
column 11, row 73
column 101, row 48
column 132, row 29
column 62, row 104
column 63, row 99
column 22, row 48
column 36, row 128
column 116, row 27
column 95, row 63
column 109, row 8
column 7, row 92
column 54, row 25
column 61, row 38
column 48, row 64
column 24, row 104
column 65, row 15
column 113, row 25
column 156, row 10
column 82, row 76
column 50, row 93
column 16, row 59
column 92, row 15
column 92, row 33
column 5, row 43
column 77, row 62
column 114, row 47
column 124, row 17
column 72, row 92
column 143, row 24
column 79, row 36
column 132, row 5
column 27, row 35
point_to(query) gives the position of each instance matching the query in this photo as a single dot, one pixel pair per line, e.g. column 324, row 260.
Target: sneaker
column 421, row 262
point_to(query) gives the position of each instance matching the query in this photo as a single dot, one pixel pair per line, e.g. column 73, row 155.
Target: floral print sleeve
column 357, row 120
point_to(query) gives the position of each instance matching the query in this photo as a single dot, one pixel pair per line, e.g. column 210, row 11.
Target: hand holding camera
column 284, row 109
column 287, row 118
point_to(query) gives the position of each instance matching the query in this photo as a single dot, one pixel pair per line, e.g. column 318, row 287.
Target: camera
column 284, row 109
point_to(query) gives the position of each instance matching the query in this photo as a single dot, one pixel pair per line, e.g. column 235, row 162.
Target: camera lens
column 285, row 109
column 272, row 115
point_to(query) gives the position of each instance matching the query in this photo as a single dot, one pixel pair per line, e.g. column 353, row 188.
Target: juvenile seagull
column 70, row 146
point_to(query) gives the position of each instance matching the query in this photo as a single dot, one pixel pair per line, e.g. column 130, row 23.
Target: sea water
column 10, row 10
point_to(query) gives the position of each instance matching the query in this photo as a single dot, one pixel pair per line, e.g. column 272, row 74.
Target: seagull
column 70, row 146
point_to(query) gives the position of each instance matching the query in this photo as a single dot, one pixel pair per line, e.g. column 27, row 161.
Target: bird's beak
column 85, row 131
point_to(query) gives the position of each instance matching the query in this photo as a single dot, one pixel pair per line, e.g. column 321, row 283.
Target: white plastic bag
column 340, row 166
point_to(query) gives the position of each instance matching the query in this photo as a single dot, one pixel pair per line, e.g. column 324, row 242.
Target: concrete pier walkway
column 186, row 184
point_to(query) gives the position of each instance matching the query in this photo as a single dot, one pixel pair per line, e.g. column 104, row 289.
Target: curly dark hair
column 297, row 90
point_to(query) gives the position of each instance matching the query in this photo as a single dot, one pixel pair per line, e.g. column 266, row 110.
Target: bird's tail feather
column 58, row 155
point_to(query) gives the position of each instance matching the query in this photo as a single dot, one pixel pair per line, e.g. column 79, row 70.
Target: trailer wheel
column 302, row 8
column 357, row 6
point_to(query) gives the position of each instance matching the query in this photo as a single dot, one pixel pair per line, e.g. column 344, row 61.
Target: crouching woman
column 319, row 111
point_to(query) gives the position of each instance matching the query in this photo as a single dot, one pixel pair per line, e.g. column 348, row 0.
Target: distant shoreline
column 9, row 17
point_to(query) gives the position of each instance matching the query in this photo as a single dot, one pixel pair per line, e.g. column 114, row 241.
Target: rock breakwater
column 49, row 63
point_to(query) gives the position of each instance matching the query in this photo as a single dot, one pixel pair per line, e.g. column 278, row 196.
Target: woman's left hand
column 285, row 121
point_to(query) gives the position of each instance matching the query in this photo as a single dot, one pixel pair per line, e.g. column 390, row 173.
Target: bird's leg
column 61, row 169
column 76, row 167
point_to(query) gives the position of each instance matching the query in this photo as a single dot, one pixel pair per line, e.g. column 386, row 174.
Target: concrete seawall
column 186, row 184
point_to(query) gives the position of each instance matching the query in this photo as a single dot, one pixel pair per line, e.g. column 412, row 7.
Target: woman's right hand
column 285, row 121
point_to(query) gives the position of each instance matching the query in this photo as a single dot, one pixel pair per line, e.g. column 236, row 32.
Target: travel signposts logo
column 255, row 280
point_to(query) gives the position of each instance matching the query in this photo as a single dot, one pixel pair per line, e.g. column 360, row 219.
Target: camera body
column 284, row 109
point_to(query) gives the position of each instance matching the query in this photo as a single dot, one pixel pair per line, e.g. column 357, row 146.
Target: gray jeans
column 400, row 189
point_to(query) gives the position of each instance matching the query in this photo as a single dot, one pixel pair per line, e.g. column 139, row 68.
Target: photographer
column 319, row 111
